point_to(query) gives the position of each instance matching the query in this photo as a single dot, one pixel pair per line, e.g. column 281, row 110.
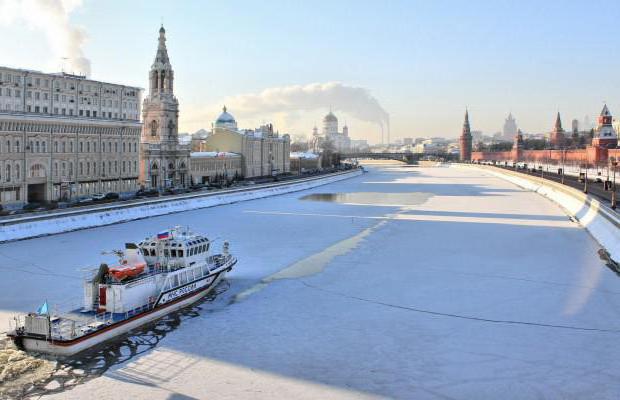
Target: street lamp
column 614, row 164
column 585, row 182
column 563, row 162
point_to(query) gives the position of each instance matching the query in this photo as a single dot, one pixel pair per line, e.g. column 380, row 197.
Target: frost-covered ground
column 472, row 288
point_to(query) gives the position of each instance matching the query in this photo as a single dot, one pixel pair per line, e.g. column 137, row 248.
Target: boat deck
column 78, row 323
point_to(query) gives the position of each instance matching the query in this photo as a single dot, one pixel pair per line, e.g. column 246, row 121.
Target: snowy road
column 448, row 284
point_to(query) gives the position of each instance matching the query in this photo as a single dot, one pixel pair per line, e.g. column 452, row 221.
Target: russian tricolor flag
column 163, row 235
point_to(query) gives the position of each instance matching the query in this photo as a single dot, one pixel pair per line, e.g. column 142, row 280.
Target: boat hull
column 71, row 347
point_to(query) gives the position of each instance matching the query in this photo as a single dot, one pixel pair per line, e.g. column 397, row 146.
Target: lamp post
column 563, row 161
column 614, row 164
column 585, row 181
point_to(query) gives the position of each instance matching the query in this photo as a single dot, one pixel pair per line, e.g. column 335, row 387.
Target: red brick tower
column 465, row 140
column 605, row 135
column 517, row 147
column 557, row 135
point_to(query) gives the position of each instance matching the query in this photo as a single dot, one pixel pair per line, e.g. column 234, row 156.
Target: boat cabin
column 181, row 248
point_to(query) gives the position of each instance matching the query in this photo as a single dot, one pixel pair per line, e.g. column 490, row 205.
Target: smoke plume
column 355, row 101
column 52, row 18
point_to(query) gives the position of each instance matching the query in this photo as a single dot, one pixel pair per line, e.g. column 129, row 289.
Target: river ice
column 482, row 290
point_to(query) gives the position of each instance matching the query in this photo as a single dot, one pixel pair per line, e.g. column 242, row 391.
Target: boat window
column 180, row 253
column 205, row 270
column 182, row 278
column 175, row 281
column 190, row 251
column 204, row 248
column 153, row 252
column 173, row 253
column 166, row 254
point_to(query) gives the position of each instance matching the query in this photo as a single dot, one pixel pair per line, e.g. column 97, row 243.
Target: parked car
column 84, row 200
column 98, row 196
column 111, row 196
column 147, row 193
column 32, row 206
column 198, row 187
column 170, row 191
column 126, row 196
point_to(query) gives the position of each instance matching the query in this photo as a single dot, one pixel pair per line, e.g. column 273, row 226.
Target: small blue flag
column 43, row 309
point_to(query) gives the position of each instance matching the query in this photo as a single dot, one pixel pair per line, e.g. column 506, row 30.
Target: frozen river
column 406, row 282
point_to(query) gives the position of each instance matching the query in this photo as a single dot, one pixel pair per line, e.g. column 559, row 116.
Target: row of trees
column 575, row 141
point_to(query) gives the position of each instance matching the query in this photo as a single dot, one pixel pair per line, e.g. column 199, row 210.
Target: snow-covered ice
column 482, row 291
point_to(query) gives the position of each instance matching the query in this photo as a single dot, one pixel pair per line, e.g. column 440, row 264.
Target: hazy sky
column 422, row 61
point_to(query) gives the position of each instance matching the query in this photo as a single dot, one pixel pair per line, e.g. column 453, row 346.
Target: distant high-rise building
column 605, row 135
column 465, row 139
column 575, row 126
column 557, row 135
column 510, row 128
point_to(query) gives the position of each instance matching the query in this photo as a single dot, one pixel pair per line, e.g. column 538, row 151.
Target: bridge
column 408, row 157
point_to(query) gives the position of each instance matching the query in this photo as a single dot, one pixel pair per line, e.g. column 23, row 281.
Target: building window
column 153, row 128
column 8, row 173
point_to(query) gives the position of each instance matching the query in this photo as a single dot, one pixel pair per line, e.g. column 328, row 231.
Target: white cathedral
column 341, row 140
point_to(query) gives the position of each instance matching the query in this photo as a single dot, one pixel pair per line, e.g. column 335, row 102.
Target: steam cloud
column 52, row 18
column 355, row 101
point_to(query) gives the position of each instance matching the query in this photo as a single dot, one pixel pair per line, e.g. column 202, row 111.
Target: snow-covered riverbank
column 121, row 213
column 470, row 288
column 601, row 222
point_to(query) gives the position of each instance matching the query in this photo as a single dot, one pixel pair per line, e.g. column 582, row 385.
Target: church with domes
column 263, row 151
column 225, row 121
column 340, row 140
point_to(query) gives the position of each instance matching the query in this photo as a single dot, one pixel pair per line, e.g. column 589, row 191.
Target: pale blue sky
column 424, row 61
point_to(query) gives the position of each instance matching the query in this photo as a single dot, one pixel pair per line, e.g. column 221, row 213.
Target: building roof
column 330, row 118
column 213, row 154
column 605, row 112
column 306, row 155
column 225, row 117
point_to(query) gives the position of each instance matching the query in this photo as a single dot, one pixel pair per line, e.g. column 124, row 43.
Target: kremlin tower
column 557, row 135
column 517, row 147
column 605, row 135
column 465, row 140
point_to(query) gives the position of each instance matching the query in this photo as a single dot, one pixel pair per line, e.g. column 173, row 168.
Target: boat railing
column 67, row 327
column 218, row 260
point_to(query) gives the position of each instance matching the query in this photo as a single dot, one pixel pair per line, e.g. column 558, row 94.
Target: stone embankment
column 40, row 225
